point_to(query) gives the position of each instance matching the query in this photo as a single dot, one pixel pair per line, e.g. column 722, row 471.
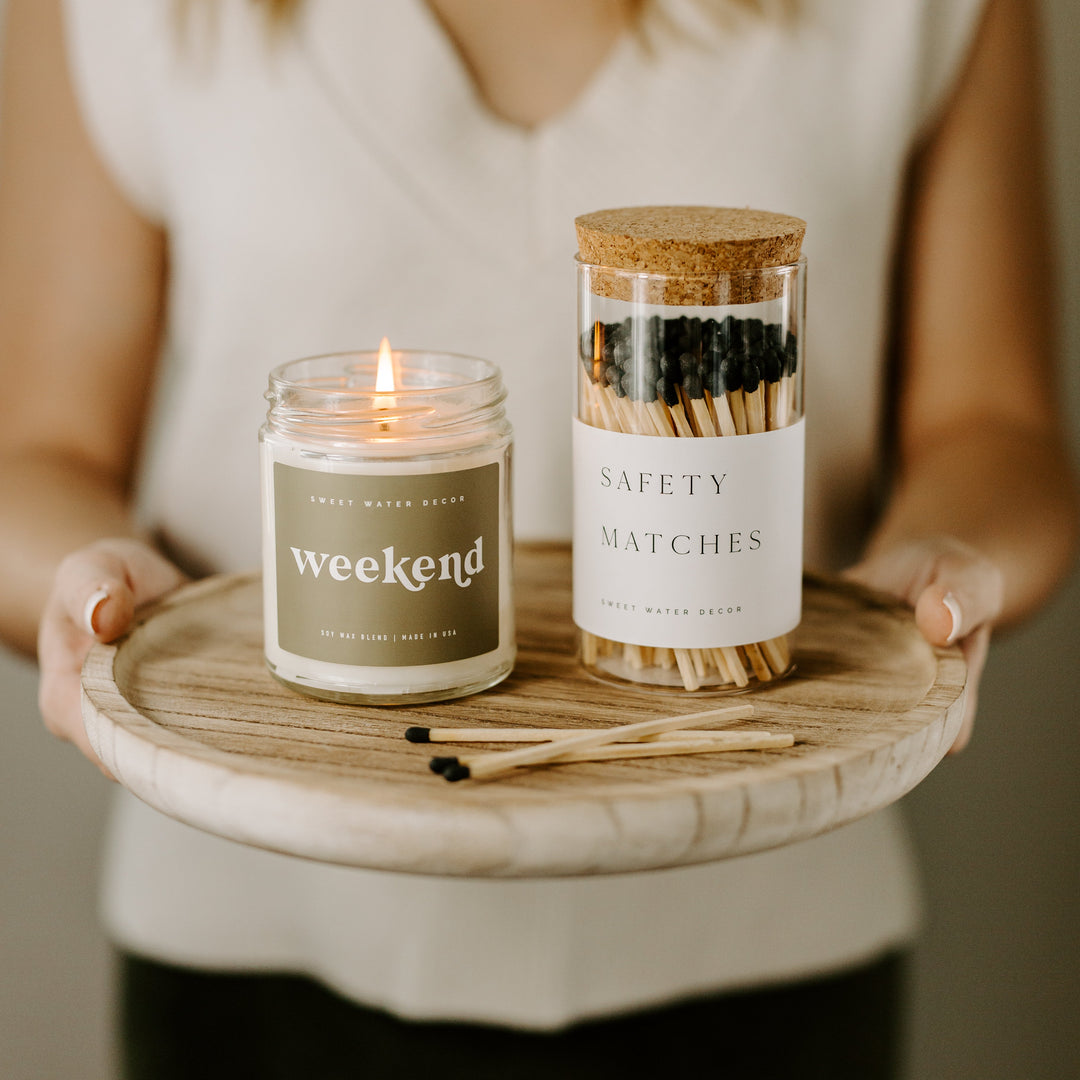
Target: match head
column 457, row 771
column 693, row 386
column 772, row 364
column 630, row 386
column 439, row 765
column 791, row 353
column 418, row 734
column 751, row 375
column 731, row 333
column 667, row 391
column 730, row 374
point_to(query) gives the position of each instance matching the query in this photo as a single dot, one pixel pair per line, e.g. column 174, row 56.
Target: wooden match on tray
column 461, row 768
column 547, row 734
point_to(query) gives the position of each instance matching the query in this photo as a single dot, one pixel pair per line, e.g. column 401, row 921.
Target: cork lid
column 689, row 240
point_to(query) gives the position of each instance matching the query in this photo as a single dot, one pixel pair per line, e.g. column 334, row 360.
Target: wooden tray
column 185, row 715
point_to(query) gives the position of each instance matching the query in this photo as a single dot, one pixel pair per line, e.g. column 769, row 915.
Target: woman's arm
column 982, row 522
column 81, row 287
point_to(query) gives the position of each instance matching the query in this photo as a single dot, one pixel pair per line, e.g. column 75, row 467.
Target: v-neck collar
column 401, row 87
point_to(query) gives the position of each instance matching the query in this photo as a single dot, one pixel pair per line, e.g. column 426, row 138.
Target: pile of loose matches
column 662, row 737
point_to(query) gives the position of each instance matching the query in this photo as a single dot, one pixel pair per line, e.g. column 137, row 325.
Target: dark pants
column 186, row 1024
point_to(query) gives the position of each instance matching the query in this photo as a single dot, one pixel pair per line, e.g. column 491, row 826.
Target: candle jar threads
column 688, row 446
column 387, row 563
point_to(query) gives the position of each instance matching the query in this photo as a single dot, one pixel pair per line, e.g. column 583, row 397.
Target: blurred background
column 997, row 973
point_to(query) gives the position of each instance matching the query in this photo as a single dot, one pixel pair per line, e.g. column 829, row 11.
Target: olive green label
column 387, row 571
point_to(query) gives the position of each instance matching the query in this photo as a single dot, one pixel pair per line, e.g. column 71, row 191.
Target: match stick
column 493, row 764
column 730, row 374
column 545, row 734
column 454, row 768
column 777, row 653
column 669, row 394
column 757, row 662
column 753, row 396
column 787, row 404
column 772, row 371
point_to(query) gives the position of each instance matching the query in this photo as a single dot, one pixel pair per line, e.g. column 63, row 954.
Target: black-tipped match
column 441, row 764
column 667, row 391
column 730, row 372
column 457, row 771
column 418, row 734
column 791, row 353
column 751, row 375
column 772, row 364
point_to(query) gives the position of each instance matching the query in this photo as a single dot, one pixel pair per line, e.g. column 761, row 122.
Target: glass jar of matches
column 688, row 446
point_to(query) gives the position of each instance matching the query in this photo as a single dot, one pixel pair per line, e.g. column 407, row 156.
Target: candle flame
column 384, row 375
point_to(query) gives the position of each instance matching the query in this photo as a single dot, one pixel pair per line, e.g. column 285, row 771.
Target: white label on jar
column 688, row 543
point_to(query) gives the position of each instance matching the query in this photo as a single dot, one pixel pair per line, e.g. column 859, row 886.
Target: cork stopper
column 703, row 255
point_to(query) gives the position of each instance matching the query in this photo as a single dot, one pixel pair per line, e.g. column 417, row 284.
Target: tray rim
column 213, row 790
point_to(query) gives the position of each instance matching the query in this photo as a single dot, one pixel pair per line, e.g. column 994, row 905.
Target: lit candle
column 384, row 372
column 384, row 377
column 386, row 526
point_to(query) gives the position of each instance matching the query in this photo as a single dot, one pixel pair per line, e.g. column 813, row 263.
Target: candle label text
column 688, row 543
column 387, row 570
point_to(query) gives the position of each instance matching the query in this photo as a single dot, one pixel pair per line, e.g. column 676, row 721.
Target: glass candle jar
column 688, row 446
column 387, row 563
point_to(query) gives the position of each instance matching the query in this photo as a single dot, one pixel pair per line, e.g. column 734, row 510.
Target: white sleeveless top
column 341, row 182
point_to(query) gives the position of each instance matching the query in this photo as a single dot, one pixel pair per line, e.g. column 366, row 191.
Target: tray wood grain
column 184, row 713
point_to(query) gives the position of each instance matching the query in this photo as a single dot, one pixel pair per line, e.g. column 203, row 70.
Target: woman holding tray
column 193, row 193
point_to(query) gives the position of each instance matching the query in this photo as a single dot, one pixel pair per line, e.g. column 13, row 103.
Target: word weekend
column 392, row 571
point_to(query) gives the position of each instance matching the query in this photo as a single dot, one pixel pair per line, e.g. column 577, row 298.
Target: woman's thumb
column 101, row 585
column 960, row 596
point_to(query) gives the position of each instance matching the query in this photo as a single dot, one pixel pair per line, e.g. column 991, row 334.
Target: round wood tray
column 184, row 713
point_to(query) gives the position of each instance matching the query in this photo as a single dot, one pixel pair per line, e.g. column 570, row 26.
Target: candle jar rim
column 472, row 371
column 331, row 397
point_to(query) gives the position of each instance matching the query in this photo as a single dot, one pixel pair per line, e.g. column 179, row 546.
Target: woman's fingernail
column 950, row 601
column 92, row 604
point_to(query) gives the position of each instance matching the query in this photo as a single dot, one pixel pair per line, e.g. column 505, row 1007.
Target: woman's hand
column 957, row 595
column 980, row 523
column 94, row 596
